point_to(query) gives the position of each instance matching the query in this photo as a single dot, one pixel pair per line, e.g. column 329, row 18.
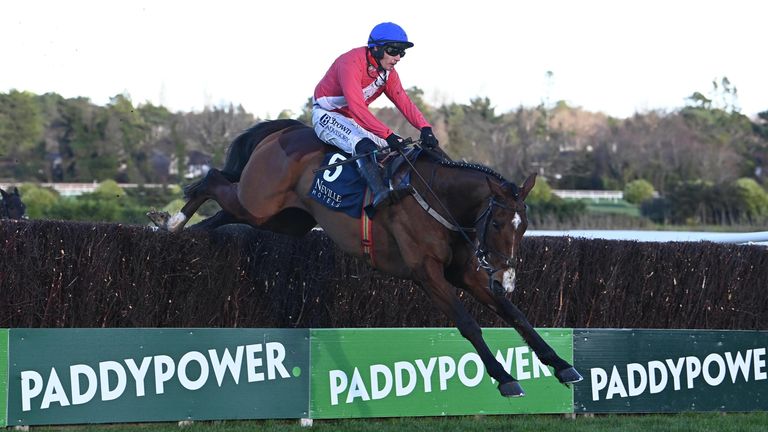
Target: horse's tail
column 241, row 148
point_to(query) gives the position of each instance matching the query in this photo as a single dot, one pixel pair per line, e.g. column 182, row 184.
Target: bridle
column 482, row 251
column 480, row 226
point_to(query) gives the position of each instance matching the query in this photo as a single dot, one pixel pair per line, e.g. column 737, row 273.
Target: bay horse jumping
column 11, row 206
column 265, row 183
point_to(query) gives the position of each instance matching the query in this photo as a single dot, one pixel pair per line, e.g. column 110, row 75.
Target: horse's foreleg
column 564, row 371
column 443, row 294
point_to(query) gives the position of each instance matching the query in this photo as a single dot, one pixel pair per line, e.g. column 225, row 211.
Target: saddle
column 342, row 189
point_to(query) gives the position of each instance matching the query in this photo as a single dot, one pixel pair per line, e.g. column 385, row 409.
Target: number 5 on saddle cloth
column 341, row 188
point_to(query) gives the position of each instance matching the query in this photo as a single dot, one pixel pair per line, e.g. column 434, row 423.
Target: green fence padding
column 428, row 372
column 65, row 376
column 3, row 377
column 634, row 371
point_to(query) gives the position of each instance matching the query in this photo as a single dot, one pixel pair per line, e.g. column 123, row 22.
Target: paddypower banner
column 671, row 370
column 65, row 376
column 429, row 372
column 68, row 376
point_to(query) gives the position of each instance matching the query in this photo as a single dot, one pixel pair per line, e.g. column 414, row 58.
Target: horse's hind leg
column 213, row 186
column 564, row 371
column 219, row 219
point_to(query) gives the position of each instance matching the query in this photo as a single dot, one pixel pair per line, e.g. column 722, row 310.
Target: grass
column 693, row 422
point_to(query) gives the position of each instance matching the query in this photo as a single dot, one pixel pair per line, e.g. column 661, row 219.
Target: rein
column 481, row 250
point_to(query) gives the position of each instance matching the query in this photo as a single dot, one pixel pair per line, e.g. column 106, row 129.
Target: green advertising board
column 671, row 370
column 429, row 372
column 65, row 376
column 3, row 377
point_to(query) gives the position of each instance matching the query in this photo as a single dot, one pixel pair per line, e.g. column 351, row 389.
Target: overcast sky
column 617, row 57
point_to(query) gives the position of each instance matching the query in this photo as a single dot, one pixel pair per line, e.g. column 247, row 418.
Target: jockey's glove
column 396, row 142
column 428, row 139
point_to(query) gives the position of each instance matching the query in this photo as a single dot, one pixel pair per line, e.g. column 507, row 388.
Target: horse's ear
column 4, row 193
column 496, row 189
column 527, row 186
column 16, row 191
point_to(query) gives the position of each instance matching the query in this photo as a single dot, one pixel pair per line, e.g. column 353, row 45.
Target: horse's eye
column 495, row 224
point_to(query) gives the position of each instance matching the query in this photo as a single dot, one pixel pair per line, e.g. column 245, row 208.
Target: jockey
column 340, row 114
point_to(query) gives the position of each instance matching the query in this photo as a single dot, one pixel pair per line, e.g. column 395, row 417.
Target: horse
column 11, row 206
column 475, row 220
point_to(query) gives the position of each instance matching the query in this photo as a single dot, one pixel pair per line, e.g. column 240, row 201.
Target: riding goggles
column 394, row 51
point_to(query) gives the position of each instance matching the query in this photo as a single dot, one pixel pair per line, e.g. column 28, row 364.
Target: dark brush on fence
column 63, row 274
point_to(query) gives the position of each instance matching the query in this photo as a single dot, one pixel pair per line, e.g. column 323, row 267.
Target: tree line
column 707, row 149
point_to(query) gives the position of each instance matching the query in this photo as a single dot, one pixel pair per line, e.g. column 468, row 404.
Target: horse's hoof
column 568, row 376
column 511, row 389
column 159, row 218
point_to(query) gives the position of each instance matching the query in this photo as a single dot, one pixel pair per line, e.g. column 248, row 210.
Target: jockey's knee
column 365, row 145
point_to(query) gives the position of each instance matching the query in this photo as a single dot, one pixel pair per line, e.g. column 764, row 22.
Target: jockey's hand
column 396, row 142
column 428, row 139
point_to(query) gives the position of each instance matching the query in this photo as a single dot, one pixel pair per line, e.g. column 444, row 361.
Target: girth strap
column 366, row 229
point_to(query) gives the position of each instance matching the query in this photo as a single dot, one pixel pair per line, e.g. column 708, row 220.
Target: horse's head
column 11, row 206
column 500, row 229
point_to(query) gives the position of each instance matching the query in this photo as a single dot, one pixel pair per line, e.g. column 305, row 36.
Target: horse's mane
column 473, row 166
column 240, row 149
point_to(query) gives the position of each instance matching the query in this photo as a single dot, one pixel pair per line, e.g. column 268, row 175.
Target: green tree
column 417, row 97
column 21, row 123
column 541, row 192
column 21, row 131
column 285, row 114
column 179, row 149
column 88, row 147
column 698, row 100
column 109, row 189
column 457, row 140
column 637, row 191
column 39, row 201
column 126, row 139
column 761, row 125
column 483, row 107
column 755, row 198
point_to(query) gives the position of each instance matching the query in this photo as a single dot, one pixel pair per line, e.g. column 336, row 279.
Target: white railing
column 595, row 195
column 758, row 238
column 75, row 189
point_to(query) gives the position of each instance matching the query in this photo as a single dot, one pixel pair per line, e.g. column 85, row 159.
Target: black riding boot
column 370, row 171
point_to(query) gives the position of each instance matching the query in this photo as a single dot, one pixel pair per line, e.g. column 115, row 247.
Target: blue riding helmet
column 388, row 33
